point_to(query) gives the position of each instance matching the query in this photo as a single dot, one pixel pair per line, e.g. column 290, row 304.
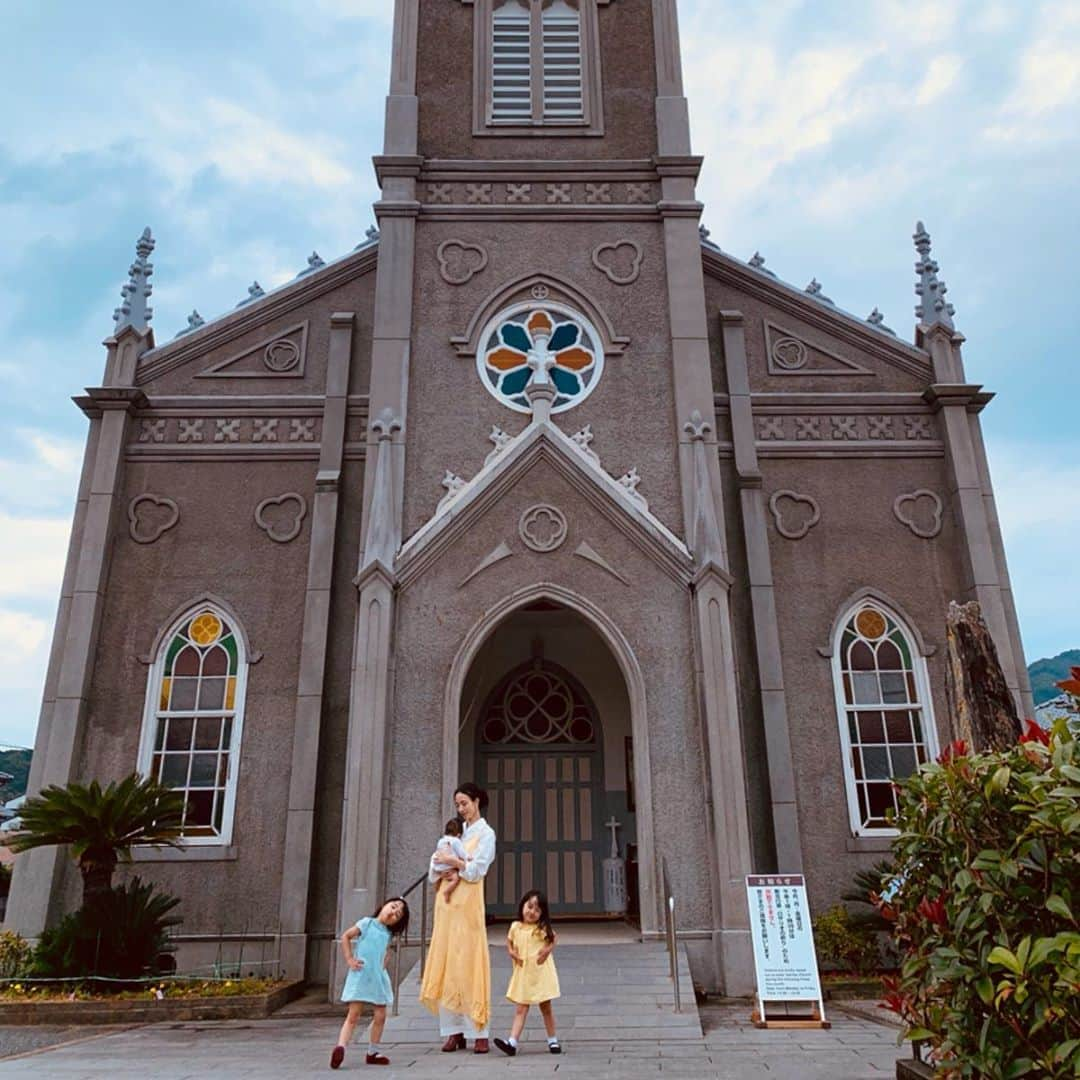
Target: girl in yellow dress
column 534, row 980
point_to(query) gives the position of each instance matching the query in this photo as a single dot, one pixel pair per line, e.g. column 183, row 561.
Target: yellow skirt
column 457, row 974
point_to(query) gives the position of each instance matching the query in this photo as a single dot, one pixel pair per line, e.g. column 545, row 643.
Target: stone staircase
column 609, row 993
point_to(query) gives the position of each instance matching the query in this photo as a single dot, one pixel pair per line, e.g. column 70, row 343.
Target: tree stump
column 982, row 706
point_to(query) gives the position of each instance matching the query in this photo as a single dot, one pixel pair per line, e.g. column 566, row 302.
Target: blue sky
column 242, row 132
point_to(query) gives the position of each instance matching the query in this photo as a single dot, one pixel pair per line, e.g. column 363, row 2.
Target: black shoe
column 507, row 1048
column 554, row 1047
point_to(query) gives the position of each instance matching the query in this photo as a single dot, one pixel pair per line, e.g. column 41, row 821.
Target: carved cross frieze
column 770, row 427
column 558, row 193
column 807, row 427
column 440, row 193
column 598, row 193
column 226, row 431
column 265, row 430
column 518, row 193
column 191, row 431
column 844, row 427
column 478, row 193
column 917, row 427
column 152, row 431
column 880, row 427
column 638, row 193
column 301, row 430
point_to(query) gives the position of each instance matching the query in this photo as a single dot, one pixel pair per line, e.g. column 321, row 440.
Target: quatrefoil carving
column 281, row 517
column 151, row 516
column 795, row 515
column 460, row 262
column 620, row 262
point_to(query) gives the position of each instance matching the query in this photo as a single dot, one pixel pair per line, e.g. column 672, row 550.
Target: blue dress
column 372, row 982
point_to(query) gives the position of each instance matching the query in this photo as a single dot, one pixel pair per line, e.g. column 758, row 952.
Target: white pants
column 451, row 1023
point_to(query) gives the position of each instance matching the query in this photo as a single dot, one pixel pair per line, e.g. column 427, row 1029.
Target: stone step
column 609, row 993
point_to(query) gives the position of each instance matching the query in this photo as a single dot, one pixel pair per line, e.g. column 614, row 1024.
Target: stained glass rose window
column 524, row 339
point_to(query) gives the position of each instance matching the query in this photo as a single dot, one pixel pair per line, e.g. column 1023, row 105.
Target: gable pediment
column 542, row 444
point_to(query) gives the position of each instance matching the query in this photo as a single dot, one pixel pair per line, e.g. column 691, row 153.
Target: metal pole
column 397, row 969
column 674, row 956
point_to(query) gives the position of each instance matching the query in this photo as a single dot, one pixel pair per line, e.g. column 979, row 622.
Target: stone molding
column 902, row 502
column 276, row 531
column 926, row 647
column 278, row 304
column 170, row 625
column 496, row 555
column 464, row 271
column 843, row 427
column 788, row 354
column 611, row 272
column 830, row 320
column 542, row 528
column 520, row 290
column 283, row 355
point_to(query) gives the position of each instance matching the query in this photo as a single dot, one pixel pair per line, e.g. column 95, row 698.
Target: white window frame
column 536, row 124
column 925, row 705
column 150, row 717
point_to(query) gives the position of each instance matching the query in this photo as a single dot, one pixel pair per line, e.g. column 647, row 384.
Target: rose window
column 538, row 705
column 532, row 339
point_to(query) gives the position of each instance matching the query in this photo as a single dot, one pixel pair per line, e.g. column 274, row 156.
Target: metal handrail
column 669, row 932
column 421, row 883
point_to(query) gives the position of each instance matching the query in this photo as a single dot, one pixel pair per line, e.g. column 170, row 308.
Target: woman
column 457, row 975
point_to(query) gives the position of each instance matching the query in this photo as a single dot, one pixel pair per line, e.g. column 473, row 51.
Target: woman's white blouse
column 478, row 865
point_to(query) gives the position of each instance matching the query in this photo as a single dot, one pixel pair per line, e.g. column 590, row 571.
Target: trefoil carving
column 794, row 514
column 281, row 517
column 620, row 262
column 921, row 511
column 150, row 517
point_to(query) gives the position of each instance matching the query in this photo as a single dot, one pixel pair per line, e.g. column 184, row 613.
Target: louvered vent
column 562, row 63
column 511, row 92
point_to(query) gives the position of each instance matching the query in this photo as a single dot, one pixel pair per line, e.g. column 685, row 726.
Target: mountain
column 15, row 762
column 1044, row 673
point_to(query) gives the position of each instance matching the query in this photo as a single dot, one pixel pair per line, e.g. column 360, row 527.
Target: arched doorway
column 539, row 752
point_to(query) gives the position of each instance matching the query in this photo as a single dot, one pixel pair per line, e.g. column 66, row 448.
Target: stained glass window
column 538, row 704
column 194, row 722
column 886, row 729
column 519, row 342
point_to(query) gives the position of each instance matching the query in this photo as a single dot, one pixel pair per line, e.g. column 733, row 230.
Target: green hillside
column 1044, row 673
column 17, row 764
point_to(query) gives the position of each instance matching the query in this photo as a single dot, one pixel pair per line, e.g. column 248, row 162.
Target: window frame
column 150, row 717
column 924, row 704
column 591, row 123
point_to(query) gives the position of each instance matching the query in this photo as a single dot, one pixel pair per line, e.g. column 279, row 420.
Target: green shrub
column 843, row 944
column 985, row 907
column 15, row 954
column 119, row 934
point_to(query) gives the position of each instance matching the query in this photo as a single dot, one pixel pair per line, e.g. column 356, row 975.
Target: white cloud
column 44, row 480
column 940, row 77
column 32, row 553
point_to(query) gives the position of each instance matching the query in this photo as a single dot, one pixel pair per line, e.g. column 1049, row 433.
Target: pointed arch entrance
column 601, row 679
column 540, row 755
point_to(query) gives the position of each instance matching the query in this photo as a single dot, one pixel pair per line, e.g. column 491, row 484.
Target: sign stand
column 788, row 988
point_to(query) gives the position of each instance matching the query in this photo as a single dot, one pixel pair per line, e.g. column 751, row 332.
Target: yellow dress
column 531, row 983
column 457, row 972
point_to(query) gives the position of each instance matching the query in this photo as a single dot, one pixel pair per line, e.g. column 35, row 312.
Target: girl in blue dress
column 364, row 947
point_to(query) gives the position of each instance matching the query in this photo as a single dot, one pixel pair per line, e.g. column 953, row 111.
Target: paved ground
column 615, row 1021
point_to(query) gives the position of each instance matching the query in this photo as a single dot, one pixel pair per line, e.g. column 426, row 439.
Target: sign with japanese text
column 784, row 957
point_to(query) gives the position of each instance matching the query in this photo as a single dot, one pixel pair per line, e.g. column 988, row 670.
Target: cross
column 613, row 824
column 541, row 360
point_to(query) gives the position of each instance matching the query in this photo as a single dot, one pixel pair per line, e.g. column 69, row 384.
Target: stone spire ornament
column 134, row 310
column 814, row 290
column 876, row 319
column 194, row 321
column 255, row 291
column 933, row 309
column 757, row 261
column 315, row 262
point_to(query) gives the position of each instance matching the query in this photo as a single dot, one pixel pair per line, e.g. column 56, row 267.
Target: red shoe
column 337, row 1056
column 454, row 1042
column 376, row 1059
column 481, row 1046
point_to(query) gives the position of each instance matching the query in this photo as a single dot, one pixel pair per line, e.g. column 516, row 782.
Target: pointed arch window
column 194, row 718
column 537, row 67
column 884, row 710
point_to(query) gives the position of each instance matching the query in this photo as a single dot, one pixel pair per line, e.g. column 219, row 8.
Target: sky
column 242, row 132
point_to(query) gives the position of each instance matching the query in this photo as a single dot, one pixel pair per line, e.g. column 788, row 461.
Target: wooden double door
column 546, row 809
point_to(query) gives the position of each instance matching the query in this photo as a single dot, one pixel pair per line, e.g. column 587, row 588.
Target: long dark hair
column 474, row 792
column 403, row 923
column 545, row 915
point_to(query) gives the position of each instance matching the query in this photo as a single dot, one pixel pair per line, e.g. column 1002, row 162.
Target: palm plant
column 101, row 825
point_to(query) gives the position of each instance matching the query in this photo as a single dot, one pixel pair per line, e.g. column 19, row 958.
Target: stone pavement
column 615, row 1020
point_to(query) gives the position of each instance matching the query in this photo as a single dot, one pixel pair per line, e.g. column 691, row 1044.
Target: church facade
column 537, row 487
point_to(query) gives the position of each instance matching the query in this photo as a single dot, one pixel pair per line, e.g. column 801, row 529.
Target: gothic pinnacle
column 134, row 310
column 933, row 308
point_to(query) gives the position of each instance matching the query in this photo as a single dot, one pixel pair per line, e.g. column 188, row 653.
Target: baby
column 450, row 844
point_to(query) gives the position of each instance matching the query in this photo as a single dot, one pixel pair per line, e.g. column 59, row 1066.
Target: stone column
column 702, row 503
column 300, row 818
column 110, row 408
column 762, row 600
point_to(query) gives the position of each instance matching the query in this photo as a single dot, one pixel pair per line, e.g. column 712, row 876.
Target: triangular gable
column 282, row 355
column 542, row 440
column 794, row 353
